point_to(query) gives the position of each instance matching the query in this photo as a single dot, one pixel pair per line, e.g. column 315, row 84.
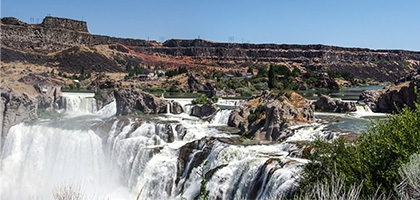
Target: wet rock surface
column 16, row 107
column 328, row 104
column 204, row 111
column 175, row 107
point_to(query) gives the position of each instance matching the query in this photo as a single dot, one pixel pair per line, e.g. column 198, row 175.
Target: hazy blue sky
column 377, row 24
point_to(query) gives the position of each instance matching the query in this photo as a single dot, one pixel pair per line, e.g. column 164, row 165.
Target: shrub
column 257, row 114
column 201, row 99
column 244, row 91
column 410, row 174
column 374, row 158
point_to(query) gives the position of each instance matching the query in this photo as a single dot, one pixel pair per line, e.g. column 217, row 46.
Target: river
column 93, row 154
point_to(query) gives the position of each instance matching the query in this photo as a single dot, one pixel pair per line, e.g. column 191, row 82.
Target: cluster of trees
column 180, row 70
column 133, row 70
column 342, row 75
column 203, row 99
column 81, row 77
column 277, row 77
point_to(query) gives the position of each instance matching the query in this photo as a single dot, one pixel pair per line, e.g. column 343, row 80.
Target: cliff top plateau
column 65, row 46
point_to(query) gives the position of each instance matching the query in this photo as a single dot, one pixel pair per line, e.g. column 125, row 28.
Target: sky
column 374, row 24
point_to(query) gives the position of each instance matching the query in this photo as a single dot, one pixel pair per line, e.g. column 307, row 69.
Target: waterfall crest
column 76, row 103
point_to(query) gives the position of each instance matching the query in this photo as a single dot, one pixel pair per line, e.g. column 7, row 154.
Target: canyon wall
column 57, row 34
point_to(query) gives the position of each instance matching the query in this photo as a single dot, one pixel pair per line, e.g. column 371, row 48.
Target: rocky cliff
column 15, row 107
column 394, row 97
column 58, row 43
column 266, row 117
column 131, row 100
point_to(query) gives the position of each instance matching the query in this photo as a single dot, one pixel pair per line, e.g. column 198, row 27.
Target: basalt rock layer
column 67, row 45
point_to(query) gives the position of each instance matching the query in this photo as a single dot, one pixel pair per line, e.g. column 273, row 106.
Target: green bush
column 245, row 92
column 373, row 159
column 200, row 99
column 257, row 114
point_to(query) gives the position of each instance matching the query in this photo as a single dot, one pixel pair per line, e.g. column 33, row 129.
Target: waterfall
column 77, row 103
column 108, row 110
column 221, row 117
column 229, row 102
column 364, row 111
column 119, row 157
column 38, row 158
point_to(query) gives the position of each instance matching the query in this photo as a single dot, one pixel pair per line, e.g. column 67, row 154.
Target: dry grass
column 10, row 73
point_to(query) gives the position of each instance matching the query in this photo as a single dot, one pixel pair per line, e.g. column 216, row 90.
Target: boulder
column 16, row 107
column 268, row 116
column 48, row 97
column 369, row 98
column 327, row 82
column 204, row 111
column 197, row 82
column 328, row 104
column 181, row 131
column 393, row 97
column 131, row 99
column 104, row 90
column 175, row 107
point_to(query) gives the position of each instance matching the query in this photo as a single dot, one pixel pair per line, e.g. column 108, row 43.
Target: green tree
column 262, row 72
column 250, row 70
column 274, row 71
column 373, row 159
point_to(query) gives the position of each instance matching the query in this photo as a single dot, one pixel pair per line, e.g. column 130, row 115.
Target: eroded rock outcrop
column 328, row 104
column 267, row 116
column 393, row 97
column 16, row 107
column 327, row 82
column 197, row 83
column 204, row 111
column 175, row 107
column 104, row 90
column 71, row 24
column 131, row 100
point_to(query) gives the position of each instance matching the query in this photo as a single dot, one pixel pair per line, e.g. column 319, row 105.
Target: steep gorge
column 67, row 45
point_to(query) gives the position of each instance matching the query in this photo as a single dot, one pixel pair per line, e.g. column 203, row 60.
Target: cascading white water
column 365, row 111
column 229, row 102
column 39, row 158
column 125, row 157
column 221, row 117
column 78, row 103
